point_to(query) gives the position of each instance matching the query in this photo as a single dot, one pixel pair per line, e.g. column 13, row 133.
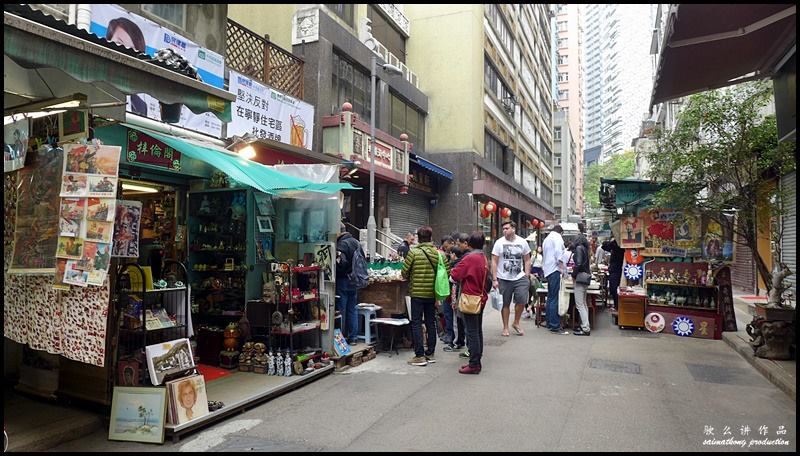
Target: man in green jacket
column 420, row 268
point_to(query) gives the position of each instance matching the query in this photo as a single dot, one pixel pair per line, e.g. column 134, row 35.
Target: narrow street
column 618, row 390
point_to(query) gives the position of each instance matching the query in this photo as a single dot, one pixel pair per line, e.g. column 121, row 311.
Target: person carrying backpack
column 350, row 276
column 420, row 269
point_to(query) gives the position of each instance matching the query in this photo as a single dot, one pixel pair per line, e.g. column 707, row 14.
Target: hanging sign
column 150, row 151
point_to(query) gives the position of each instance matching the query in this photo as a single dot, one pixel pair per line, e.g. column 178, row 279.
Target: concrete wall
column 274, row 20
column 446, row 52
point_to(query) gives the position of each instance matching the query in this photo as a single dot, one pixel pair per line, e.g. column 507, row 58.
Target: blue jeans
column 474, row 325
column 449, row 334
column 426, row 306
column 346, row 304
column 553, row 289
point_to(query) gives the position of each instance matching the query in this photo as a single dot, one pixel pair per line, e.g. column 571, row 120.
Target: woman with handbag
column 472, row 272
column 581, row 274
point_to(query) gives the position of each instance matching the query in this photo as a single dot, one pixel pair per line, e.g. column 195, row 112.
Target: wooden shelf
column 672, row 284
column 154, row 290
column 681, row 307
column 296, row 330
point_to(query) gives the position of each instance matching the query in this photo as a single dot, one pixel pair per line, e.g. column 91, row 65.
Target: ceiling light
column 7, row 120
column 138, row 188
column 247, row 152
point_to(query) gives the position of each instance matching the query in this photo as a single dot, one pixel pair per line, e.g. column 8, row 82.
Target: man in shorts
column 511, row 265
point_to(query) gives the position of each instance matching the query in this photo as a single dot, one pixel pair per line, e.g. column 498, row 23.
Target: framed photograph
column 294, row 226
column 316, row 226
column 73, row 125
column 264, row 203
column 128, row 372
column 264, row 224
column 168, row 358
column 137, row 414
column 188, row 399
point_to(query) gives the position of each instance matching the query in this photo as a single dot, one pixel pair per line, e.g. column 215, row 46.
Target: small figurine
column 699, row 278
column 270, row 364
column 671, row 276
column 279, row 364
column 686, row 277
column 662, row 275
column 709, row 276
column 205, row 206
column 287, row 365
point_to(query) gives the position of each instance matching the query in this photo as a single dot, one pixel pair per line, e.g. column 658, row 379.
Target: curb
column 779, row 377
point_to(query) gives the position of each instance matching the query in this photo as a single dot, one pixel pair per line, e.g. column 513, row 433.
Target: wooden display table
column 631, row 310
column 391, row 296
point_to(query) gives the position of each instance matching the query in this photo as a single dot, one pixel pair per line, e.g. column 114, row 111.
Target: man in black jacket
column 346, row 292
column 580, row 248
column 614, row 268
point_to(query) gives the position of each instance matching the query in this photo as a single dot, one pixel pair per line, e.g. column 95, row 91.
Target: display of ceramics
column 654, row 322
column 683, row 326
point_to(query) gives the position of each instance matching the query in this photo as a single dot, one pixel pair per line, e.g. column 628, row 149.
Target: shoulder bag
column 471, row 304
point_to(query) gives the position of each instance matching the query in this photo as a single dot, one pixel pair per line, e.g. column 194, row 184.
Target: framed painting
column 264, row 224
column 137, row 414
column 73, row 125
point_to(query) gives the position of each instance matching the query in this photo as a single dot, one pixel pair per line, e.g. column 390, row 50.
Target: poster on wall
column 323, row 257
column 672, row 233
column 632, row 232
column 717, row 242
column 269, row 114
column 126, row 229
column 92, row 159
column 71, row 217
column 15, row 145
column 37, row 218
column 118, row 25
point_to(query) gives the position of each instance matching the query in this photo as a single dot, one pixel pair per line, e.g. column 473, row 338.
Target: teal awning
column 248, row 172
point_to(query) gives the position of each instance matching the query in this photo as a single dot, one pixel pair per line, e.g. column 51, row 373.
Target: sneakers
column 560, row 331
column 460, row 347
column 430, row 358
column 580, row 332
column 418, row 361
column 469, row 370
column 464, row 354
column 449, row 348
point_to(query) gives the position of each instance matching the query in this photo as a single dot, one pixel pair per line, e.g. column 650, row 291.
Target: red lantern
column 534, row 223
column 505, row 212
column 490, row 207
column 484, row 213
column 541, row 224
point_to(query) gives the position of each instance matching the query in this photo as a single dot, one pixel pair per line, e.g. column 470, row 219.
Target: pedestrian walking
column 471, row 272
column 346, row 291
column 420, row 269
column 581, row 252
column 614, row 268
column 511, row 263
column 553, row 265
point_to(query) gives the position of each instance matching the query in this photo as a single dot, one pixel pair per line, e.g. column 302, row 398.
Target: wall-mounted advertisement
column 269, row 114
column 136, row 32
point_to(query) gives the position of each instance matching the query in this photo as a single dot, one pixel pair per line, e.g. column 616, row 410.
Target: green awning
column 248, row 172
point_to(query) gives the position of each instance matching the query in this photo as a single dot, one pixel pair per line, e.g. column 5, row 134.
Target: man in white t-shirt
column 511, row 267
column 554, row 267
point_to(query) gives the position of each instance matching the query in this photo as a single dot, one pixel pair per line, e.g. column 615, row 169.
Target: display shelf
column 673, row 306
column 306, row 268
column 298, row 328
column 126, row 330
column 652, row 282
column 154, row 290
column 298, row 301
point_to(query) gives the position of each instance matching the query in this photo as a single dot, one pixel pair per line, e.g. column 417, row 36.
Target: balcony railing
column 257, row 57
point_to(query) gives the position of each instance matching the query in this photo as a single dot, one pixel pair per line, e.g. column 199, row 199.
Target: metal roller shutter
column 789, row 241
column 408, row 212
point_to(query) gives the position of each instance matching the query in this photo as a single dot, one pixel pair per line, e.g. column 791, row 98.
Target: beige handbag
column 471, row 304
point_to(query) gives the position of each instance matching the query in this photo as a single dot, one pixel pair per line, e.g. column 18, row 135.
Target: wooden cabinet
column 631, row 310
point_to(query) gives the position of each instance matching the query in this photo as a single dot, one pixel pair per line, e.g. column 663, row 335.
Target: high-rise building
column 486, row 70
column 568, row 78
column 618, row 74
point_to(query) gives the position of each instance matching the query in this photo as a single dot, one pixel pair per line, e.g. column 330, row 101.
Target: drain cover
column 725, row 375
column 615, row 366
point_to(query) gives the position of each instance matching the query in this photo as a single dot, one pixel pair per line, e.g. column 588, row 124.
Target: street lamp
column 371, row 226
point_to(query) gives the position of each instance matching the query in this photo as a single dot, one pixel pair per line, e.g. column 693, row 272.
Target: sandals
column 518, row 330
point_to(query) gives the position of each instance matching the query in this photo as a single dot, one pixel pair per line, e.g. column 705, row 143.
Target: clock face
column 633, row 272
column 683, row 326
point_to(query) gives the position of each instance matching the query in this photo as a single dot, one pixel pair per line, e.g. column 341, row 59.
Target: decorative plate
column 633, row 272
column 683, row 326
column 654, row 322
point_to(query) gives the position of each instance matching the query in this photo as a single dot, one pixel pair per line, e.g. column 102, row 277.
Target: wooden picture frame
column 264, row 224
column 138, row 414
column 73, row 125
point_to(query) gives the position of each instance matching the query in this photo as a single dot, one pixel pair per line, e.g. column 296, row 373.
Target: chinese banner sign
column 150, row 151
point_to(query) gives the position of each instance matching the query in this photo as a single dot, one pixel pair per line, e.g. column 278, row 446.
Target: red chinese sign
column 150, row 151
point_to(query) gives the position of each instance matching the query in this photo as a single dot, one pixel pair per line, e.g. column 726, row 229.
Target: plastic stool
column 366, row 334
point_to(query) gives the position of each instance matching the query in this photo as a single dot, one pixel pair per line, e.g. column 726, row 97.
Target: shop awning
column 248, row 172
column 90, row 59
column 708, row 46
column 430, row 166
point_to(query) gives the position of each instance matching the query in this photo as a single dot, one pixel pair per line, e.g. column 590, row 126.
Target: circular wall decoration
column 633, row 256
column 683, row 326
column 277, row 318
column 654, row 322
column 633, row 272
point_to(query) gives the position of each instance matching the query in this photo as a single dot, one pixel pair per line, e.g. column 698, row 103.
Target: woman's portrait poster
column 126, row 229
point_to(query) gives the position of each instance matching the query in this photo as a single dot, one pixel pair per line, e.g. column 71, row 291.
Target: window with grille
column 344, row 11
column 500, row 26
column 557, row 134
column 386, row 33
column 174, row 13
column 350, row 84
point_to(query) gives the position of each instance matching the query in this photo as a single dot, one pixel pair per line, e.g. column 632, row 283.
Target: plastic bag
column 496, row 298
column 563, row 298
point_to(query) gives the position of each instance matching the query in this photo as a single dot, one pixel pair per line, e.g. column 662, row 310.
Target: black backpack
column 359, row 271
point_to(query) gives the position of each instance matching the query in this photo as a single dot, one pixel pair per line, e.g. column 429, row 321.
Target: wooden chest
column 631, row 311
column 391, row 296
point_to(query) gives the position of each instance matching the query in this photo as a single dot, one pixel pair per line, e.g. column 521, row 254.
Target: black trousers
column 613, row 284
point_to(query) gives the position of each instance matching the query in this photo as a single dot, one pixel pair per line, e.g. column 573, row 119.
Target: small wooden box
column 229, row 359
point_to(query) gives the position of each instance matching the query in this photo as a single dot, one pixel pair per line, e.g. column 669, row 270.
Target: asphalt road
column 617, row 390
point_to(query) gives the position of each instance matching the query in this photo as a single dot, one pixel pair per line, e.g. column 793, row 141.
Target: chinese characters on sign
column 726, row 437
column 269, row 114
column 150, row 151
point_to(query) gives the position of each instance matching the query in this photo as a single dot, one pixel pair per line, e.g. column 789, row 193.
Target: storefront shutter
column 408, row 212
column 789, row 242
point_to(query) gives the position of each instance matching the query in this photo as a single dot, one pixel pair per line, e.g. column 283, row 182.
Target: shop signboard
column 141, row 148
column 131, row 30
column 269, row 114
column 383, row 153
column 671, row 233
